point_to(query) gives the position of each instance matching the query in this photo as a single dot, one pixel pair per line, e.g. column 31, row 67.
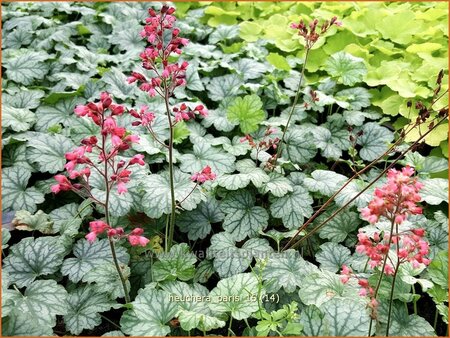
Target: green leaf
column 374, row 141
column 278, row 185
column 218, row 116
column 243, row 219
column 293, row 207
column 41, row 302
column 40, row 221
column 6, row 236
column 17, row 119
column 278, row 61
column 205, row 269
column 31, row 258
column 223, row 33
column 204, row 155
column 67, row 219
column 49, row 150
column 176, row 264
column 248, row 68
column 347, row 68
column 230, row 260
column 18, row 324
column 117, row 84
column 300, row 147
column 248, row 172
column 197, row 223
column 346, row 317
column 89, row 256
column 403, row 324
column 435, row 191
column 59, row 113
column 85, row 303
column 287, row 270
column 231, row 295
column 358, row 97
column 225, row 86
column 107, row 280
column 157, row 199
column 16, row 195
column 150, row 314
column 320, row 287
column 340, row 226
column 313, row 322
column 324, row 181
column 26, row 67
column 332, row 256
column 247, row 111
column 194, row 311
column 23, row 98
column 438, row 269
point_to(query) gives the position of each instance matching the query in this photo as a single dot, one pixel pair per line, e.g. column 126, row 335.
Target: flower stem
column 111, row 242
column 391, row 296
column 414, row 300
column 291, row 112
column 171, row 174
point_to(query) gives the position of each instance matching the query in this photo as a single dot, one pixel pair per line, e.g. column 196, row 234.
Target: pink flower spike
column 121, row 188
column 137, row 231
column 98, row 227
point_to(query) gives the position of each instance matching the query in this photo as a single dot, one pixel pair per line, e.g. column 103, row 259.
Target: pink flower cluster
column 183, row 113
column 79, row 165
column 365, row 291
column 411, row 248
column 134, row 237
column 397, row 199
column 170, row 75
column 205, row 175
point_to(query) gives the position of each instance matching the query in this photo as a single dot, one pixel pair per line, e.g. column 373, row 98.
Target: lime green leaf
column 176, row 264
column 278, row 61
column 249, row 31
column 17, row 119
column 246, row 111
column 180, row 132
column 346, row 68
column 88, row 256
column 31, row 258
column 197, row 223
column 85, row 303
column 399, row 27
column 49, row 150
column 41, row 302
column 157, row 197
column 150, row 314
column 232, row 295
column 287, row 270
column 218, row 117
column 243, row 219
column 230, row 260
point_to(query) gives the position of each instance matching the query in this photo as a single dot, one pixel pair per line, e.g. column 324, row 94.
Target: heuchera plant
column 163, row 78
column 394, row 201
column 102, row 156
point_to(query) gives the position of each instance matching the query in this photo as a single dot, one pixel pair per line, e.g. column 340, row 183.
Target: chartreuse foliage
column 227, row 270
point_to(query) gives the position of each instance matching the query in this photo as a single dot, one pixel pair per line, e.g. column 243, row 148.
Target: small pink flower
column 205, row 175
column 91, row 237
column 121, row 188
column 138, row 240
column 98, row 227
column 137, row 159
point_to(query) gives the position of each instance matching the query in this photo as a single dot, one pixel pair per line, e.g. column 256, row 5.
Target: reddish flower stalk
column 101, row 156
column 162, row 79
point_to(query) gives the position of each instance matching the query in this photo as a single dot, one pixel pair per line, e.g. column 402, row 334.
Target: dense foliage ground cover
column 245, row 173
